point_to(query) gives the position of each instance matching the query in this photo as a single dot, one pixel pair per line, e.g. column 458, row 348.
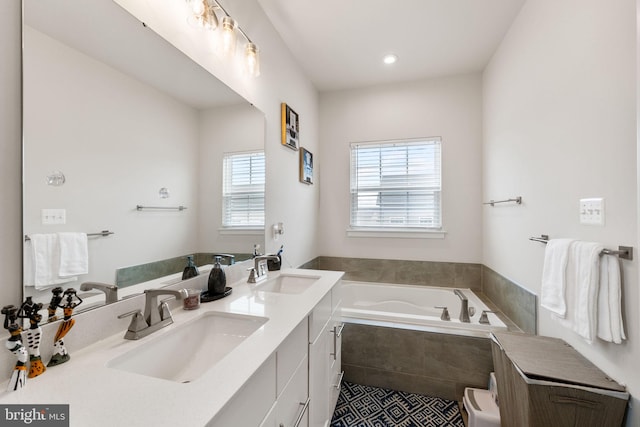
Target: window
column 243, row 190
column 396, row 185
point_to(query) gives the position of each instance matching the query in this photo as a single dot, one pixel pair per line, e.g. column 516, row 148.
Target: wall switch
column 54, row 216
column 592, row 211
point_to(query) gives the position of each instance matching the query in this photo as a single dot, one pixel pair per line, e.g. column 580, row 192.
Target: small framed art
column 290, row 127
column 306, row 166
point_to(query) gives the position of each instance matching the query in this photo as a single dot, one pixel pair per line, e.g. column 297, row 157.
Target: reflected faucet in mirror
column 110, row 291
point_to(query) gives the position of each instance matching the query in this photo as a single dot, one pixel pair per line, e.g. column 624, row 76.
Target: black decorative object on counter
column 14, row 345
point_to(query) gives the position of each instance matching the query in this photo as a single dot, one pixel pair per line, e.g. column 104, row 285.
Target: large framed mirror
column 123, row 133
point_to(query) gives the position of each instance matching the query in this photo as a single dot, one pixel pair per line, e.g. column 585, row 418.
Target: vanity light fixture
column 203, row 14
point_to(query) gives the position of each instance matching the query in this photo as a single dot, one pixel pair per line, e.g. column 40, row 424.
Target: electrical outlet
column 54, row 216
column 592, row 211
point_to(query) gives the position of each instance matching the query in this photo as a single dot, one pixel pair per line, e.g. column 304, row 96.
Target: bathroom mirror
column 115, row 117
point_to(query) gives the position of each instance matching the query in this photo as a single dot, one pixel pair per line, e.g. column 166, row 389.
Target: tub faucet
column 155, row 316
column 259, row 272
column 464, row 306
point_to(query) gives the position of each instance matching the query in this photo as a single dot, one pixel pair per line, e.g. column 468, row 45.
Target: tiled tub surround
column 516, row 303
column 433, row 364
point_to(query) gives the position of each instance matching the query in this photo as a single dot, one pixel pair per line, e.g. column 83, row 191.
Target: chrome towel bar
column 175, row 208
column 103, row 233
column 518, row 200
column 623, row 252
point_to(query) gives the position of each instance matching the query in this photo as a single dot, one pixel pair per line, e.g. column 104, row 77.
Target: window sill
column 398, row 233
column 229, row 231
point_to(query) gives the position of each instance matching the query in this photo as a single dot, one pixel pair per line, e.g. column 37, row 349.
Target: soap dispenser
column 217, row 278
column 190, row 270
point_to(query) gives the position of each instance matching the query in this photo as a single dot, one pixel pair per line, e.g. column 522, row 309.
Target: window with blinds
column 396, row 185
column 243, row 190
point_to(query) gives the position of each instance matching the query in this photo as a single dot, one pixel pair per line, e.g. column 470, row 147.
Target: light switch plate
column 592, row 211
column 54, row 216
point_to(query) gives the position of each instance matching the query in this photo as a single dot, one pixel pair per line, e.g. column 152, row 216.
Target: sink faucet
column 464, row 306
column 110, row 291
column 259, row 271
column 155, row 316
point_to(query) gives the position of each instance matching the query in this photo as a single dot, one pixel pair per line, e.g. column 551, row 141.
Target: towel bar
column 103, row 233
column 177, row 208
column 518, row 200
column 623, row 252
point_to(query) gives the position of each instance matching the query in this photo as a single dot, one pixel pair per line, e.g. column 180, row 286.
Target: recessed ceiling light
column 390, row 58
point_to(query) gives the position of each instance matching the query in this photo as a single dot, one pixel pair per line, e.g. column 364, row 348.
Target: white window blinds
column 396, row 184
column 243, row 190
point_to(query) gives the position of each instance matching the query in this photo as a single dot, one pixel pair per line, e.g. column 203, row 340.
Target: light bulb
column 252, row 59
column 390, row 59
column 228, row 36
column 203, row 15
column 197, row 7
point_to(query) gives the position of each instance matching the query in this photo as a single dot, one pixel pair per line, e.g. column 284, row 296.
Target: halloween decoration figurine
column 56, row 299
column 70, row 300
column 14, row 345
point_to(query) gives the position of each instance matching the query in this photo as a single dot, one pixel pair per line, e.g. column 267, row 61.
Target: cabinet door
column 319, row 372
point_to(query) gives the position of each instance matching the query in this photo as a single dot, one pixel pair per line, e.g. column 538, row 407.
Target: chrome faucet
column 464, row 306
column 259, row 271
column 110, row 291
column 155, row 316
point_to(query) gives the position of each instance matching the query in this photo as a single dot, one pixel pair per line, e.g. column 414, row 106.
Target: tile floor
column 365, row 406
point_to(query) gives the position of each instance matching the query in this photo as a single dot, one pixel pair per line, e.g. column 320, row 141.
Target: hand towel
column 610, row 325
column 583, row 277
column 552, row 296
column 74, row 254
column 46, row 261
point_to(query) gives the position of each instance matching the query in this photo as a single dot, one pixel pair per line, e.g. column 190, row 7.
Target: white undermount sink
column 288, row 284
column 185, row 353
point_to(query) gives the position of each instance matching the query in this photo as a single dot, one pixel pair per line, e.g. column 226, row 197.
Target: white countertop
column 101, row 396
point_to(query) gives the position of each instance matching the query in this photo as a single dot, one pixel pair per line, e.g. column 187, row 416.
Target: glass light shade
column 228, row 36
column 203, row 15
column 252, row 58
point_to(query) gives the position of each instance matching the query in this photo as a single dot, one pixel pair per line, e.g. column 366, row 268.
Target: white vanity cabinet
column 324, row 358
column 292, row 385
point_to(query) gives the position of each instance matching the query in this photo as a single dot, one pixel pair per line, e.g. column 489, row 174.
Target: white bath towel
column 610, row 325
column 583, row 277
column 74, row 254
column 46, row 261
column 552, row 295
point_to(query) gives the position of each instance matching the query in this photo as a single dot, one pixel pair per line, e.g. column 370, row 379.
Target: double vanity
column 266, row 355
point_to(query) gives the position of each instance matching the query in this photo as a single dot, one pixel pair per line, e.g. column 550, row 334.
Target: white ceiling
column 340, row 43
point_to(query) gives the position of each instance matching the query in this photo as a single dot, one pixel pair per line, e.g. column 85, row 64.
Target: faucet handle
column 137, row 324
column 445, row 313
column 484, row 319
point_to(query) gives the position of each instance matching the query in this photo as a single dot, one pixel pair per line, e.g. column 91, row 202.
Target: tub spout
column 464, row 306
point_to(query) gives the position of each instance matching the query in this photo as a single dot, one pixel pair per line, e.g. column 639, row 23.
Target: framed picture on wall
column 290, row 127
column 306, row 166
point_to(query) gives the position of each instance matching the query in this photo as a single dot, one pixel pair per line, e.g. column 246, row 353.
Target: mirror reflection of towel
column 74, row 254
column 45, row 252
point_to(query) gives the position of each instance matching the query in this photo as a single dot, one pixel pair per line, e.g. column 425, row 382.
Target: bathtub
column 413, row 307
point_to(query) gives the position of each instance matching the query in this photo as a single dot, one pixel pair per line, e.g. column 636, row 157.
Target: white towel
column 583, row 277
column 552, row 295
column 610, row 325
column 74, row 254
column 46, row 261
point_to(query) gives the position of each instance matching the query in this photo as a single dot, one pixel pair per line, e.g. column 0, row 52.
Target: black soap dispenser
column 190, row 270
column 217, row 278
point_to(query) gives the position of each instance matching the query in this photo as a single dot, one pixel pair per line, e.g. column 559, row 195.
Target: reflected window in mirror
column 243, row 190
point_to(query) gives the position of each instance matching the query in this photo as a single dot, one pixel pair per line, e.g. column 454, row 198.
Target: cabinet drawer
column 288, row 356
column 292, row 404
column 319, row 317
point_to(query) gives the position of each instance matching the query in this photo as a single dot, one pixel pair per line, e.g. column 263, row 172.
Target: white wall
column 448, row 107
column 560, row 125
column 118, row 141
column 282, row 80
column 224, row 130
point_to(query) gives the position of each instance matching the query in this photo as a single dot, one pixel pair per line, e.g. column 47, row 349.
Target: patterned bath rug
column 365, row 406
